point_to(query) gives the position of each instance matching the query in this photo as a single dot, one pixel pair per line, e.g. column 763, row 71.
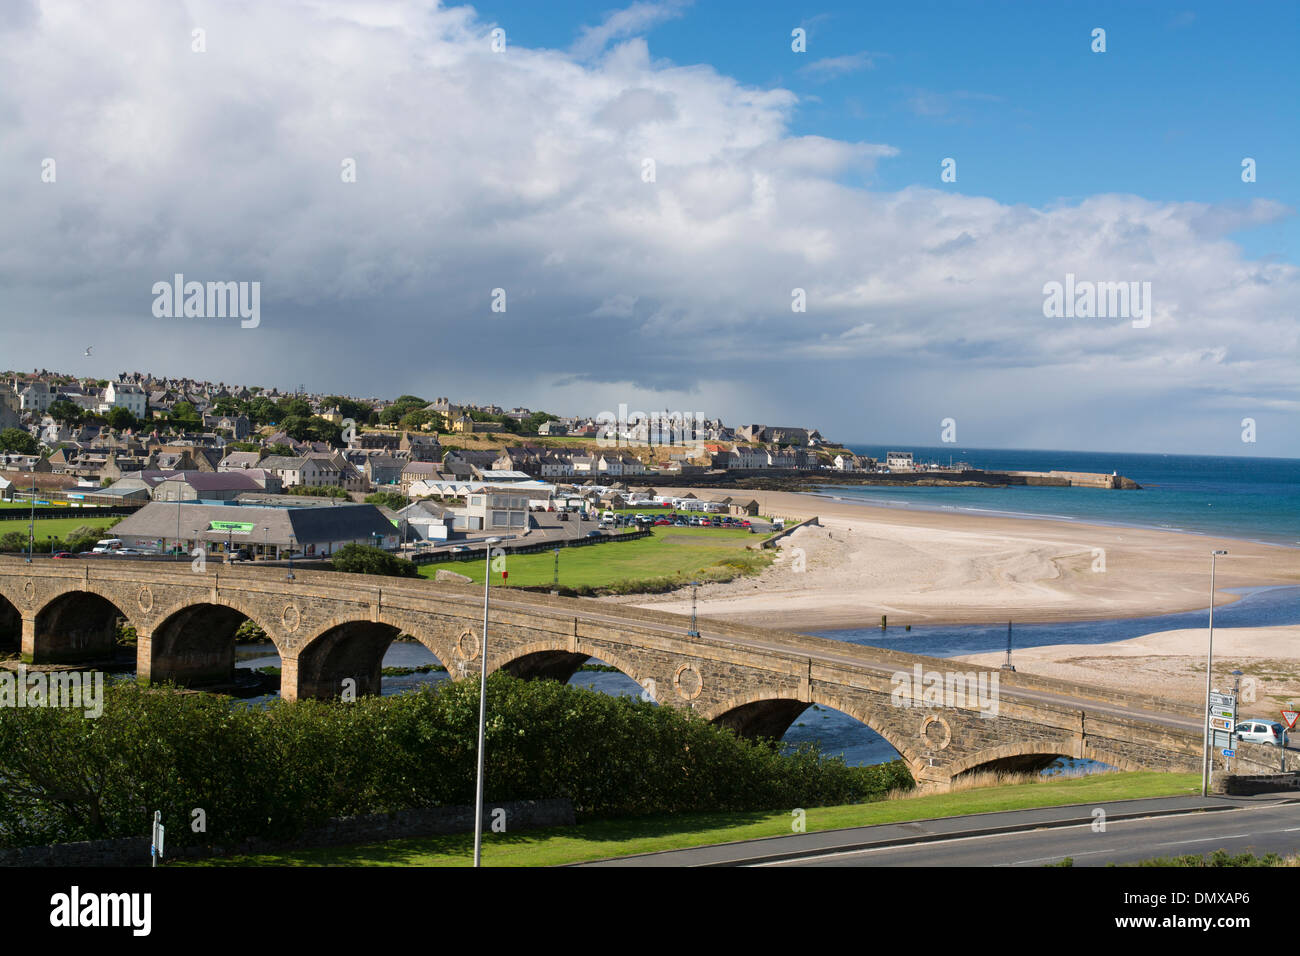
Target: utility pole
column 694, row 631
column 1209, row 666
column 482, row 704
column 31, row 527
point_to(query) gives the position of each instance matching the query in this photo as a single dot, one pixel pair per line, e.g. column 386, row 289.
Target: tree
column 312, row 428
column 64, row 412
column 389, row 499
column 185, row 414
column 414, row 421
column 317, row 491
column 262, row 411
column 18, row 441
column 228, row 405
column 121, row 418
column 293, row 407
column 364, row 559
column 350, row 408
column 404, row 405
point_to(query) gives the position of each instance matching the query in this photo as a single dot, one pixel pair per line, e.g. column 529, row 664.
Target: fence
column 72, row 511
column 477, row 554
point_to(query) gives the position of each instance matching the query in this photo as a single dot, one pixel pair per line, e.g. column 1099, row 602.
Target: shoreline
column 1030, row 516
column 929, row 567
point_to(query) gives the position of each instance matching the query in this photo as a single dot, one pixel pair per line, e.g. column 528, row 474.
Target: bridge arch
column 75, row 626
column 762, row 714
column 11, row 626
column 350, row 649
column 555, row 660
column 1033, row 755
column 193, row 643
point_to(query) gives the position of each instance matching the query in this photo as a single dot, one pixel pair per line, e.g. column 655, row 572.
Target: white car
column 1262, row 732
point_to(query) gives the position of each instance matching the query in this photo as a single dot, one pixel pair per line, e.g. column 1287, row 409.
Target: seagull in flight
column 88, row 348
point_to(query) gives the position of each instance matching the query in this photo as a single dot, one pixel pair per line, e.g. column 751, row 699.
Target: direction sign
column 1223, row 700
column 1290, row 717
column 1222, row 712
column 1221, row 723
column 1229, row 753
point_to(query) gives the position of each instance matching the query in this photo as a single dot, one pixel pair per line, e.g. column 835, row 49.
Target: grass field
column 670, row 552
column 608, row 838
column 58, row 527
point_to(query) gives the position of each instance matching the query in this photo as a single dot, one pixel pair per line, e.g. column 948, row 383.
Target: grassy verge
column 599, row 839
column 59, row 527
column 667, row 559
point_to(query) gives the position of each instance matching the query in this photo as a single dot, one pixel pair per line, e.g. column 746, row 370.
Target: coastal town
column 415, row 475
column 404, row 474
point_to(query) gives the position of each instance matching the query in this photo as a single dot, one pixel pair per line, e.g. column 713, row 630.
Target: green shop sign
column 239, row 527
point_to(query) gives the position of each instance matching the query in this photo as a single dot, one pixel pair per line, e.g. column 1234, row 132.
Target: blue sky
column 1013, row 90
column 794, row 259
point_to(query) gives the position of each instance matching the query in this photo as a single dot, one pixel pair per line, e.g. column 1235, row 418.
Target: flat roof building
column 268, row 532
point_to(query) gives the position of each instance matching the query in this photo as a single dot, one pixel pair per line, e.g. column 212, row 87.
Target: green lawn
column 669, row 552
column 58, row 527
column 608, row 838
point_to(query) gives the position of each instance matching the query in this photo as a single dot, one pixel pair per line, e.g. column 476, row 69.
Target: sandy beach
column 1268, row 657
column 922, row 567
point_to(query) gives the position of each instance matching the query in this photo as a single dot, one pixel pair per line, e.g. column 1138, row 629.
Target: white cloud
column 522, row 171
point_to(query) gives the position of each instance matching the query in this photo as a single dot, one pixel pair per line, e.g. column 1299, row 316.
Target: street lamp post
column 555, row 581
column 289, row 577
column 694, row 631
column 31, row 527
column 482, row 704
column 1209, row 664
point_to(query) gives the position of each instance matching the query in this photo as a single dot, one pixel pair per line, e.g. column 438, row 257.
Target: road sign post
column 156, row 841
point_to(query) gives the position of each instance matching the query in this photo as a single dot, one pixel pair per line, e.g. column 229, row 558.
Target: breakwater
column 784, row 479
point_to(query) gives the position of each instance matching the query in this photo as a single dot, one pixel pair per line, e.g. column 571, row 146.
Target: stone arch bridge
column 329, row 627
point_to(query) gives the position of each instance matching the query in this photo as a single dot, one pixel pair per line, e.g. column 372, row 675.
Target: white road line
column 1224, row 836
column 1029, row 828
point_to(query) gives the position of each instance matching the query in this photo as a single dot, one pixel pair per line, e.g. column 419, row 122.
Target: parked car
column 594, row 534
column 106, row 545
column 460, row 549
column 64, row 554
column 1262, row 732
column 663, row 521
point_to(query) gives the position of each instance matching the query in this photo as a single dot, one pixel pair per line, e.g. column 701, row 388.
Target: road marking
column 1225, row 836
column 1029, row 829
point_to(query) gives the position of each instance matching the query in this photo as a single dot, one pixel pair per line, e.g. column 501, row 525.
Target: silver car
column 1262, row 732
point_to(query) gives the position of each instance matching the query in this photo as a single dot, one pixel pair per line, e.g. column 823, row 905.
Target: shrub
column 276, row 772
